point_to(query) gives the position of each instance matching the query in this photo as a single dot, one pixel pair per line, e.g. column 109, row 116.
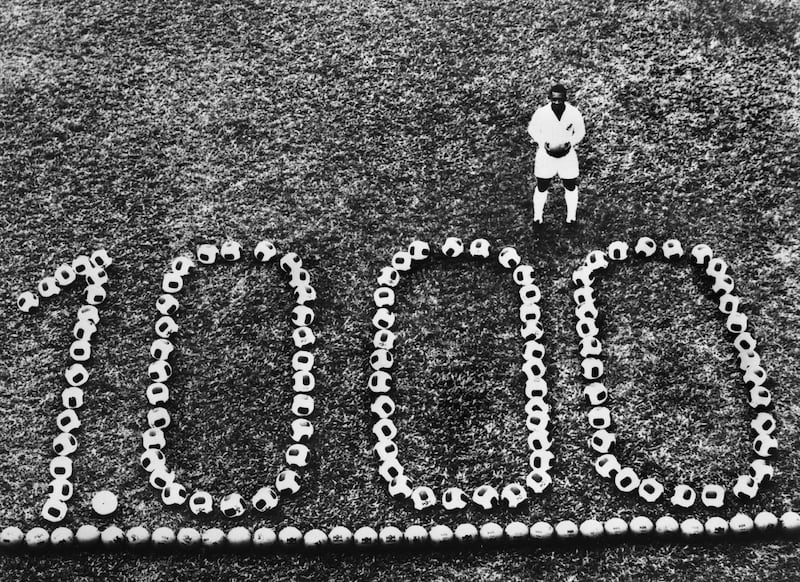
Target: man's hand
column 558, row 150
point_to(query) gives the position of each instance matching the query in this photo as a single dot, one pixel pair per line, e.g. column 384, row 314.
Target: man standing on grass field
column 556, row 128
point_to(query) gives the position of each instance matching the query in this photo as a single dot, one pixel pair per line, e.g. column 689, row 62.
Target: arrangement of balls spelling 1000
column 288, row 481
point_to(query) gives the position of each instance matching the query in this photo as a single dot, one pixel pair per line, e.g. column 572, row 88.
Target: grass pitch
column 342, row 131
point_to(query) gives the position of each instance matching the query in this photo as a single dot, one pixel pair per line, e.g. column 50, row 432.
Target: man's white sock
column 539, row 199
column 571, row 198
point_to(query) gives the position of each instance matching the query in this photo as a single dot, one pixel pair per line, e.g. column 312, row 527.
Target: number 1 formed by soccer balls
column 400, row 485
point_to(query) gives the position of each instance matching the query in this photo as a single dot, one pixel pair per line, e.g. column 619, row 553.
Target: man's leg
column 539, row 198
column 571, row 197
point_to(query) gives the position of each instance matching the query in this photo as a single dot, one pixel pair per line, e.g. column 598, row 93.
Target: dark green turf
column 343, row 131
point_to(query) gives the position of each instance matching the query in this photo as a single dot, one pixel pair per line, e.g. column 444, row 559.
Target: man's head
column 557, row 94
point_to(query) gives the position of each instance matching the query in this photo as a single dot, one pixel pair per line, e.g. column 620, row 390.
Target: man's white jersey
column 545, row 127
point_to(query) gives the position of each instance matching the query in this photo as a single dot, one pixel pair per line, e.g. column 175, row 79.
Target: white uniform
column 545, row 127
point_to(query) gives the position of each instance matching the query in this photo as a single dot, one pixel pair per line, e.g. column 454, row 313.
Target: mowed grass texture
column 342, row 131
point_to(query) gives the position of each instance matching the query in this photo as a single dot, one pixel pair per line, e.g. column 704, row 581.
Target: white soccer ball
column 385, row 451
column 380, row 382
column 419, row 250
column 163, row 537
column 290, row 262
column 602, row 441
column 302, row 361
column 153, row 459
column 137, row 537
column 390, row 468
column 182, row 266
column 188, row 537
column 313, row 540
column 672, row 249
column 87, row 536
column 538, row 481
column 232, row 505
column 667, row 526
column 160, row 478
column 231, row 250
column 265, row 251
column 683, row 496
column 264, row 538
column 54, row 510
column 599, row 417
column 514, row 495
column 72, row 398
column 618, row 250
column 84, row 330
column 479, row 248
column 381, row 360
column 213, row 538
column 713, row 495
column 416, row 535
column 402, row 261
column 454, row 498
column 702, row 254
column 736, row 322
column 384, row 339
column 765, row 521
column 62, row 537
column 765, row 445
column 365, row 537
column 745, row 488
column 48, row 287
column 596, row 261
column 741, row 524
column 592, row 368
column 299, row 277
column 516, row 532
column 645, row 247
column 61, row 467
column 157, row 393
column 265, row 499
column 303, row 337
column 486, row 497
column 530, row 293
column 591, row 529
column 81, row 264
column 389, row 277
column 302, row 430
column 94, row 294
column 340, row 536
column 76, row 375
column 297, row 455
column 400, row 487
column 383, row 297
column 37, row 538
column 171, row 282
column 626, row 480
column 159, row 371
column 60, row 488
column 491, row 532
column 167, row 304
column 383, row 406
column 716, row 526
column 288, row 482
column 523, row 275
column 541, row 460
column 509, row 258
column 641, row 525
column 790, row 522
column 165, row 326
column 453, row 247
column 80, row 350
column 201, row 503
column 441, row 535
column 207, row 253
column 595, row 394
column 607, row 466
column 761, row 471
column 96, row 276
column 466, row 533
column 67, row 421
column 153, row 438
column 158, row 417
column 302, row 405
column 692, row 528
column 384, row 429
column 567, row 529
column 615, row 527
column 303, row 381
column 27, row 301
column 65, row 444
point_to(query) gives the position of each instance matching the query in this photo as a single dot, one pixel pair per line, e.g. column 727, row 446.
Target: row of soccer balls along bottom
column 414, row 536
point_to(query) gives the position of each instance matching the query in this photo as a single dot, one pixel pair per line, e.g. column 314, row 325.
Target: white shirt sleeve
column 535, row 129
column 578, row 128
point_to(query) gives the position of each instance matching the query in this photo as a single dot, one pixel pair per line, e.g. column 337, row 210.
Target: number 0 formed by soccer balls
column 153, row 460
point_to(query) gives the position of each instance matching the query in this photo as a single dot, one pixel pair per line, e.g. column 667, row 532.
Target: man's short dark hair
column 558, row 88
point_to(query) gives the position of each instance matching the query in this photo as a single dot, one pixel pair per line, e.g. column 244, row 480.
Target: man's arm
column 578, row 129
column 535, row 130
